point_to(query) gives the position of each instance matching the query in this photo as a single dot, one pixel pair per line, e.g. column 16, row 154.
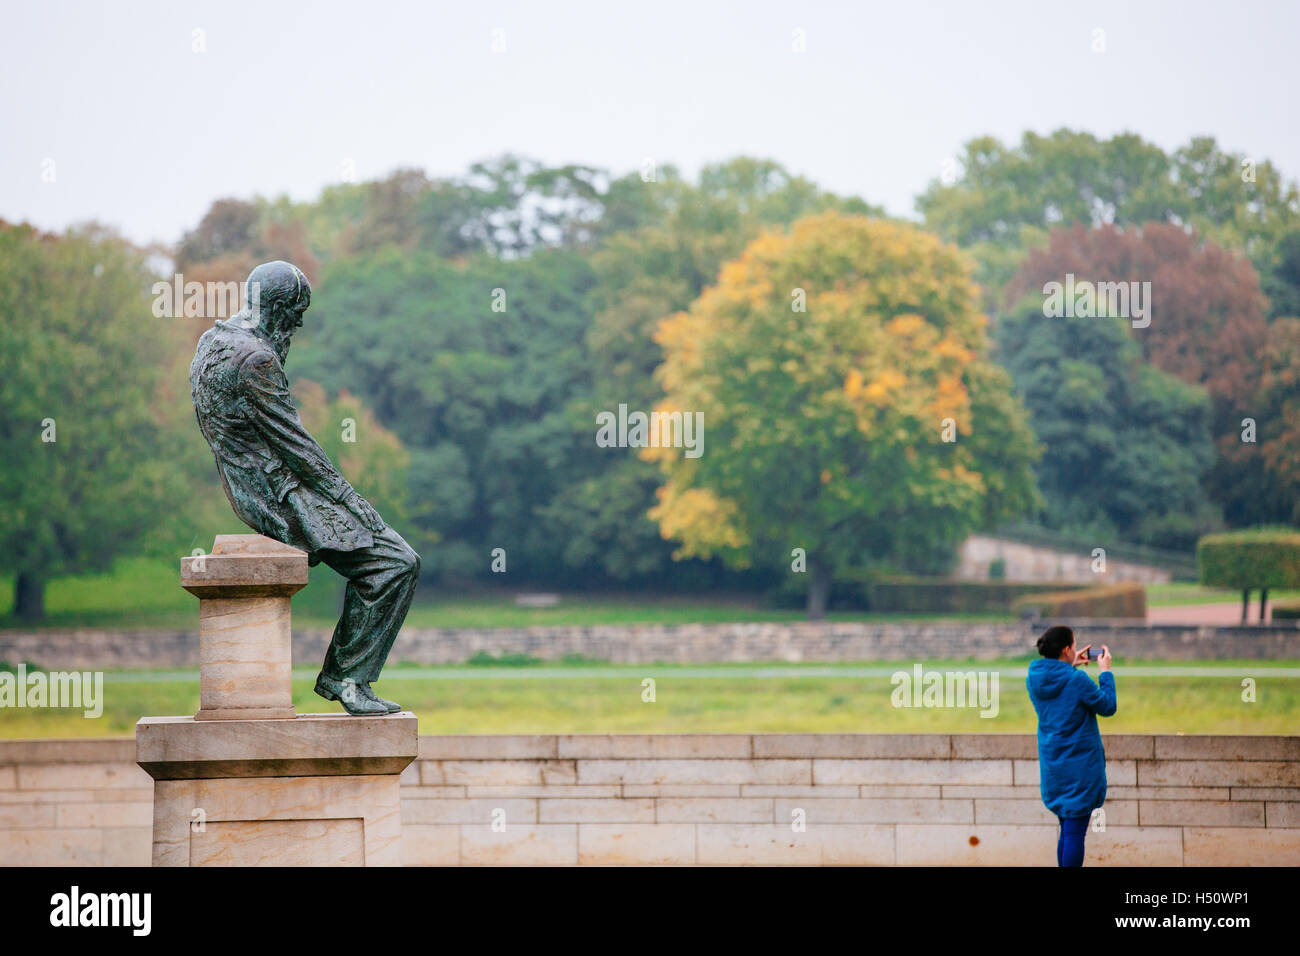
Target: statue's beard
column 280, row 343
column 275, row 335
column 278, row 340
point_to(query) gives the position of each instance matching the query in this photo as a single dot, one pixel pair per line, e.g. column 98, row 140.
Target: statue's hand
column 362, row 509
column 279, row 528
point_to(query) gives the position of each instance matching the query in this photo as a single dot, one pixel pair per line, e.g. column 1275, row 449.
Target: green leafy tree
column 1126, row 446
column 508, row 206
column 1207, row 326
column 472, row 367
column 1282, row 281
column 1006, row 198
column 1277, row 423
column 89, row 462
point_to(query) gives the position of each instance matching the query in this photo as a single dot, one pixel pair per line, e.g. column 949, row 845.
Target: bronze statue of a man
column 282, row 484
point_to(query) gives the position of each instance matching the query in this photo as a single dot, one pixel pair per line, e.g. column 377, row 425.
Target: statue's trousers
column 381, row 583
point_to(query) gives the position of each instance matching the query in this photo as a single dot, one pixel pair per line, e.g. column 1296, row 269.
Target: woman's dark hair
column 1054, row 640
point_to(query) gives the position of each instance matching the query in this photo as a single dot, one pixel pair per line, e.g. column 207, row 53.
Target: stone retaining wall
column 924, row 799
column 687, row 643
column 1031, row 562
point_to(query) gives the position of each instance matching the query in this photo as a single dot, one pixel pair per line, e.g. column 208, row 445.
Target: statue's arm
column 281, row 427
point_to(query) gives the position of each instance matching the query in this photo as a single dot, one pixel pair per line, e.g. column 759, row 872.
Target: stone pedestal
column 318, row 790
column 246, row 781
column 245, row 642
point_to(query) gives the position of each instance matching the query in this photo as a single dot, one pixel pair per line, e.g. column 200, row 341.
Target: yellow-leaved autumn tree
column 849, row 408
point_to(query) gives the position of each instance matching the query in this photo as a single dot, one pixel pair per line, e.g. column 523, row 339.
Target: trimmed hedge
column 1126, row 599
column 1248, row 560
column 1289, row 611
column 948, row 596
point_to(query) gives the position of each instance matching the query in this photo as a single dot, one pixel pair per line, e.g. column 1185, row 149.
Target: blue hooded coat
column 1071, row 761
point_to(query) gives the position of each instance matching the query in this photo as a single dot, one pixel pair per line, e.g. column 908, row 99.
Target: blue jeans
column 1069, row 847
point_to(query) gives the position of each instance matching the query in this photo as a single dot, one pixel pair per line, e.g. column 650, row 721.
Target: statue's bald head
column 276, row 296
column 277, row 283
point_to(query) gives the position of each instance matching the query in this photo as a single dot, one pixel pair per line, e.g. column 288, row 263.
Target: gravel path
column 1205, row 613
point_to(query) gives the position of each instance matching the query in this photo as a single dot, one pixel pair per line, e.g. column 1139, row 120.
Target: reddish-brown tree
column 1207, row 326
column 1207, row 310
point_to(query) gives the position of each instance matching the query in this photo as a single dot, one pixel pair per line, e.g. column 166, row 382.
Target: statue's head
column 275, row 298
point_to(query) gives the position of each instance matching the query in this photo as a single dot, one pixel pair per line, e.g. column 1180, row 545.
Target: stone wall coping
column 317, row 737
column 987, row 746
column 67, row 750
column 182, row 748
column 1120, row 623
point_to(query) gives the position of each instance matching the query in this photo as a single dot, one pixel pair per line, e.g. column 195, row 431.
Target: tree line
column 872, row 389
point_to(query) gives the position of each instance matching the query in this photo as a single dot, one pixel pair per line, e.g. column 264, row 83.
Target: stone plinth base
column 245, row 660
column 315, row 790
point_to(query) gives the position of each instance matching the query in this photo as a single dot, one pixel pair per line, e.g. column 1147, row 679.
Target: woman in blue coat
column 1071, row 761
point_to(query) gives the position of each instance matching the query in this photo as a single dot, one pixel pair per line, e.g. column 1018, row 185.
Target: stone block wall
column 1031, row 562
column 788, row 641
column 709, row 799
column 74, row 803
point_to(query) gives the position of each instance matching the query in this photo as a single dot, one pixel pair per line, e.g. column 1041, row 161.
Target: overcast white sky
column 145, row 133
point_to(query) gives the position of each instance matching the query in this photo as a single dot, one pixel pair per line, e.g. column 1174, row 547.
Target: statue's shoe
column 392, row 705
column 351, row 695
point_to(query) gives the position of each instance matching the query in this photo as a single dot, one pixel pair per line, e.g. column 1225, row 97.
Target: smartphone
column 1094, row 653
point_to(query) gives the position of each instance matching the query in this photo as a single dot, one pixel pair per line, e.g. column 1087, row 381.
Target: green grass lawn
column 143, row 593
column 587, row 697
column 735, row 698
